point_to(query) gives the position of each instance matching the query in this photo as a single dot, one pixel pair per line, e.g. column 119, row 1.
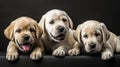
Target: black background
column 107, row 11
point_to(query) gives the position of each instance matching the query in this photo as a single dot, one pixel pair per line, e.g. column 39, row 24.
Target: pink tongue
column 26, row 47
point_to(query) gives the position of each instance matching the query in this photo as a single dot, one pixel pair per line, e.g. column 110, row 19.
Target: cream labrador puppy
column 24, row 35
column 94, row 37
column 57, row 32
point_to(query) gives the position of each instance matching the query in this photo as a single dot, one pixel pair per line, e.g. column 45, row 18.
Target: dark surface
column 107, row 11
column 68, row 61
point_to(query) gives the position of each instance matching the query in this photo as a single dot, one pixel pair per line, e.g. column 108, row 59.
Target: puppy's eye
column 18, row 30
column 51, row 22
column 85, row 36
column 32, row 30
column 97, row 34
column 64, row 20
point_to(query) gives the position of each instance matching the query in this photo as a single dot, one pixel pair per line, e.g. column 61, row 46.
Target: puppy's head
column 92, row 34
column 24, row 31
column 56, row 24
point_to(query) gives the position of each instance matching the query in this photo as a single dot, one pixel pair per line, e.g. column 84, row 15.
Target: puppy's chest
column 51, row 45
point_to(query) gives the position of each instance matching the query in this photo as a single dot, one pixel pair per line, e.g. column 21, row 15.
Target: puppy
column 24, row 35
column 57, row 32
column 94, row 37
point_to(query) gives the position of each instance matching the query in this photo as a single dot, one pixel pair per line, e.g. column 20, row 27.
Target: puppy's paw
column 36, row 55
column 59, row 52
column 107, row 55
column 74, row 52
column 12, row 56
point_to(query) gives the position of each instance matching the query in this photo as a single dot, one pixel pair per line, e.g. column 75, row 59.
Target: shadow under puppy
column 24, row 35
column 94, row 37
column 57, row 32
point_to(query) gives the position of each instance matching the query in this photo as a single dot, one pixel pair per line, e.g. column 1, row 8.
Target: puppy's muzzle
column 26, row 45
column 61, row 29
column 26, row 38
column 92, row 45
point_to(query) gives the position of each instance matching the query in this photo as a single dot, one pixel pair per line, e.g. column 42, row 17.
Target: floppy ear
column 8, row 32
column 77, row 34
column 42, row 23
column 105, row 32
column 70, row 22
column 119, row 37
column 38, row 31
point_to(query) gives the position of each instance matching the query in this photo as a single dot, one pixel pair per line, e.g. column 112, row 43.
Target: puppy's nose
column 60, row 28
column 26, row 37
column 92, row 45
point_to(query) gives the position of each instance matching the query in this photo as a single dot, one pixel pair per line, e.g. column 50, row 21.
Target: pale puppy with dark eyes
column 57, row 32
column 94, row 37
column 24, row 35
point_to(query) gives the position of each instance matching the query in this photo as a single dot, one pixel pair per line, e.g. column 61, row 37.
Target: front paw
column 35, row 55
column 74, row 52
column 59, row 52
column 12, row 56
column 107, row 55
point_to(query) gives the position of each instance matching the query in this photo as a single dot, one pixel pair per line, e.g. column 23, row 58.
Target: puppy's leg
column 108, row 52
column 12, row 52
column 36, row 53
column 75, row 50
column 60, row 51
column 117, row 45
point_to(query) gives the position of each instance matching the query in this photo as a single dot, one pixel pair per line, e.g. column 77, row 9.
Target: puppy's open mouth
column 26, row 46
column 59, row 37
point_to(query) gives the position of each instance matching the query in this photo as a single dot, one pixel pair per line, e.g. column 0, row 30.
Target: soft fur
column 57, row 32
column 24, row 35
column 95, row 37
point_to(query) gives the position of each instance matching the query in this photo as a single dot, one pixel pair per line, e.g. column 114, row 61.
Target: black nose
column 92, row 45
column 26, row 37
column 60, row 28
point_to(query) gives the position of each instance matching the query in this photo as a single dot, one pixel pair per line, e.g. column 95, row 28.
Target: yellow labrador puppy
column 24, row 35
column 95, row 37
column 57, row 34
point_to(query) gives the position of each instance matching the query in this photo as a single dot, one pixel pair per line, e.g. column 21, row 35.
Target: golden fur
column 24, row 34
